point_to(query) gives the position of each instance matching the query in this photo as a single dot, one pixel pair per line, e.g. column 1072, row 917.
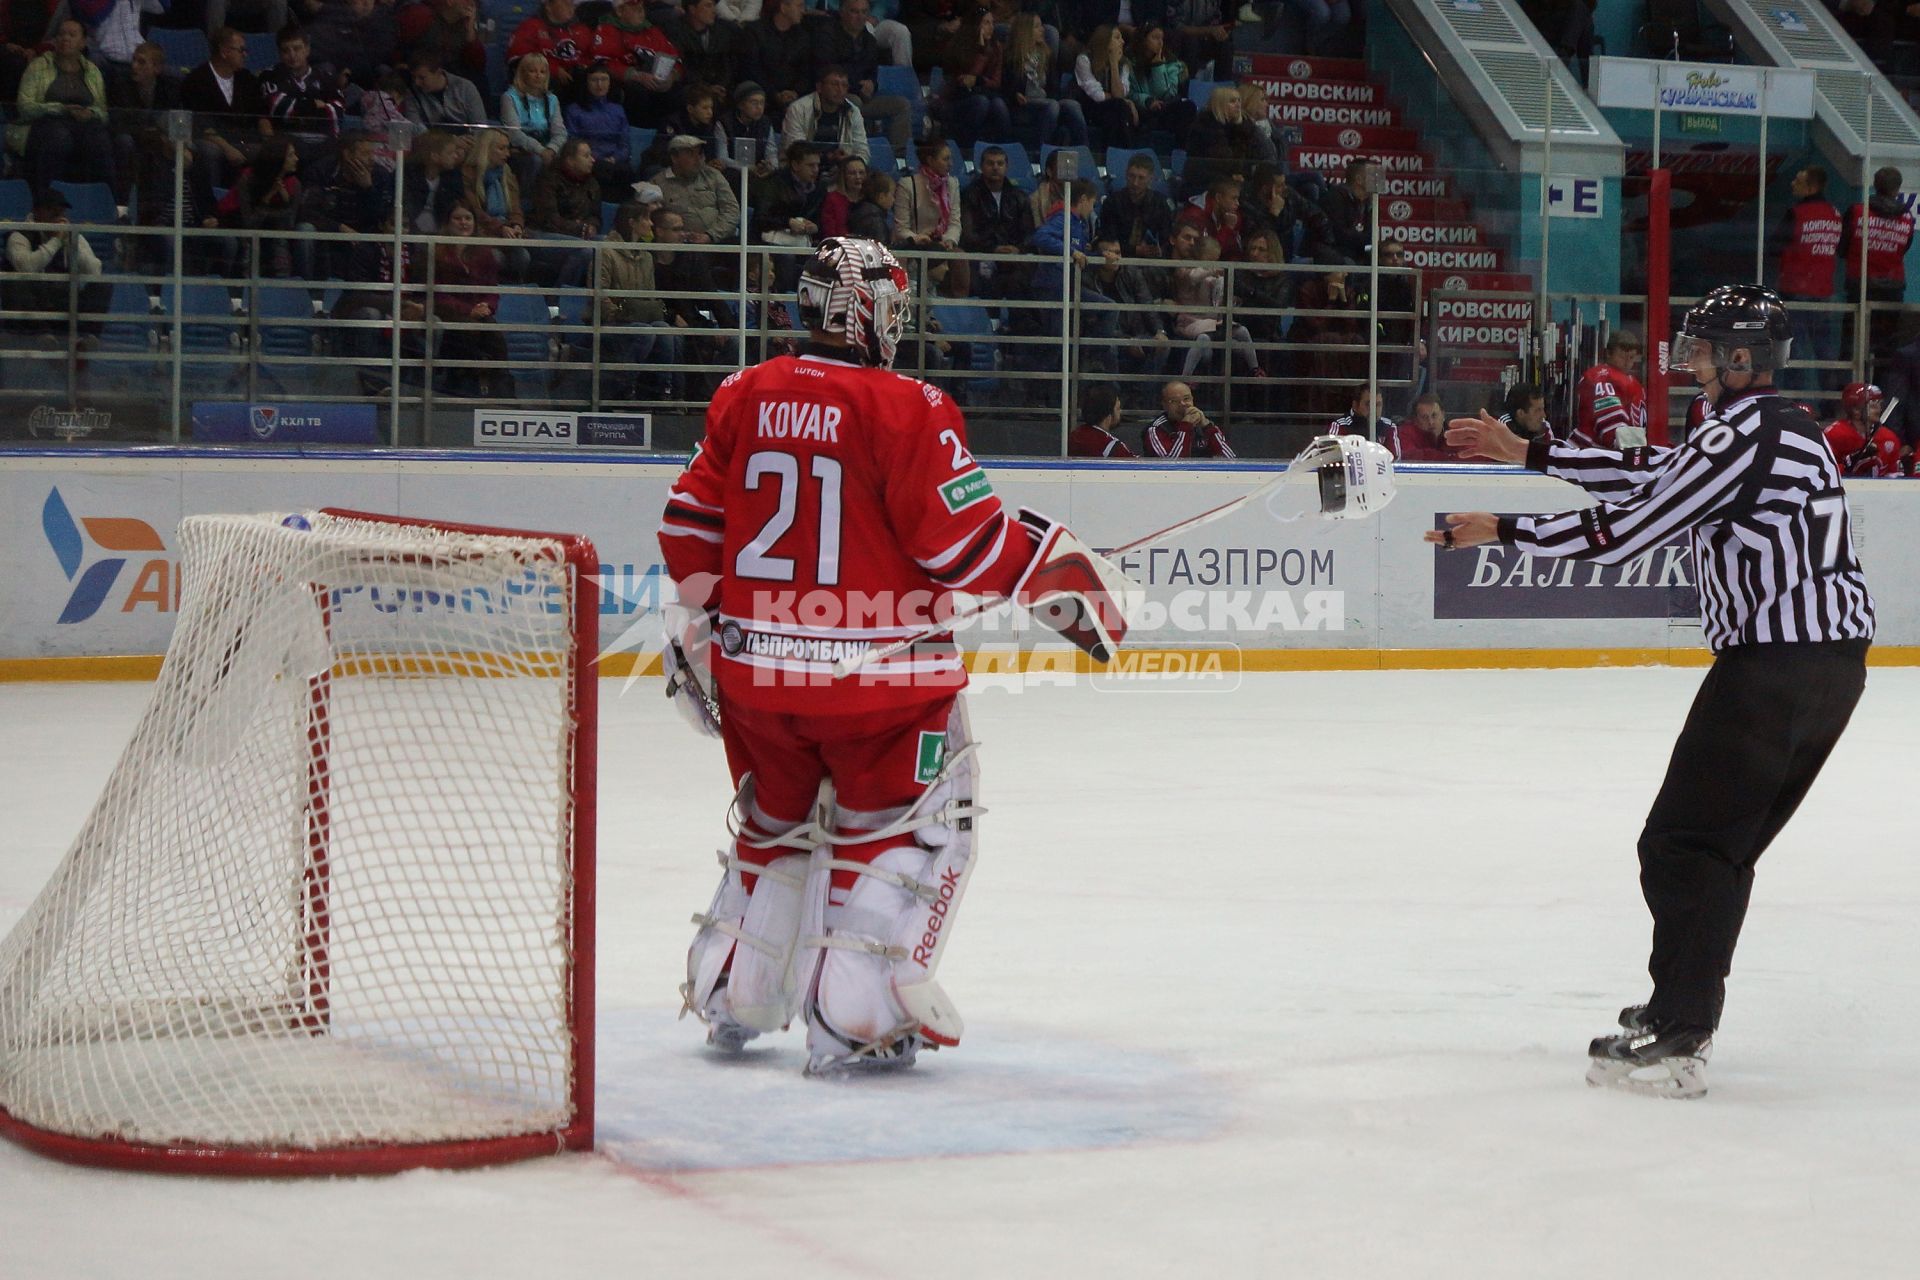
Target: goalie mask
column 1731, row 319
column 856, row 288
column 1335, row 478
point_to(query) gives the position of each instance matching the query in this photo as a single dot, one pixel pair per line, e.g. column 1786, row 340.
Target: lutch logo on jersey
column 154, row 583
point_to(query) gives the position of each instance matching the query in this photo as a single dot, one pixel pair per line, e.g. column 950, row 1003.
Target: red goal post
column 333, row 911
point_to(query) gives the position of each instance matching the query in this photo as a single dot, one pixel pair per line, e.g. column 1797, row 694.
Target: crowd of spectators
column 832, row 121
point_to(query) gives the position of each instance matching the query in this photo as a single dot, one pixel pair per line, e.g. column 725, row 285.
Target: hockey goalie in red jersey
column 833, row 507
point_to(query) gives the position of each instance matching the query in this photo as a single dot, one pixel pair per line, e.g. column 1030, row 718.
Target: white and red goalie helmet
column 856, row 288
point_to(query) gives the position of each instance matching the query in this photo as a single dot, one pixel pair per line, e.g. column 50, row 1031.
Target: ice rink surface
column 1291, row 981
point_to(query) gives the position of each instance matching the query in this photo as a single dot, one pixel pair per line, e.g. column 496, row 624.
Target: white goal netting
column 325, row 898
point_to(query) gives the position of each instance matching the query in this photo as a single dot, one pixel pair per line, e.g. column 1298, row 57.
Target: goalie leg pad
column 876, row 996
column 744, row 969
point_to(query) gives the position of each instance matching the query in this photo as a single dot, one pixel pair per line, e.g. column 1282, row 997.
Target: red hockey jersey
column 1850, row 450
column 832, row 508
column 1610, row 401
column 626, row 50
column 568, row 46
column 1088, row 441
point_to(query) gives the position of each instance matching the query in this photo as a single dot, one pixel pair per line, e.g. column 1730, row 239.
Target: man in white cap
column 699, row 193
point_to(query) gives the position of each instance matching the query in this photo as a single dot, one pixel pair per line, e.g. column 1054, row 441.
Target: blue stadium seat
column 16, row 200
column 1118, row 158
column 186, row 48
column 880, row 157
column 609, row 210
column 1088, row 170
column 289, row 338
column 971, row 323
column 206, row 303
column 129, row 319
column 497, row 79
column 901, row 82
column 93, row 202
column 638, row 140
column 263, row 50
column 284, row 303
column 524, row 325
column 1198, row 91
column 958, row 170
column 1178, row 165
column 1019, row 163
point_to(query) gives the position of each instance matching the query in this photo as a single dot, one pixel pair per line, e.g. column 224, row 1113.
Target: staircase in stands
column 1337, row 112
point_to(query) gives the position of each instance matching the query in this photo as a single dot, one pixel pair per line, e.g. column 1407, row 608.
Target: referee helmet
column 1749, row 318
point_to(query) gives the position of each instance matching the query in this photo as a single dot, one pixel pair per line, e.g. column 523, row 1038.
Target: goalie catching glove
column 1073, row 589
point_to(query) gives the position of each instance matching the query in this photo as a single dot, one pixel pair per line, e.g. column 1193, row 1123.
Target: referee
column 1786, row 612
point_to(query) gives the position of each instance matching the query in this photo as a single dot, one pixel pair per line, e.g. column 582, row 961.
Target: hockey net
column 332, row 911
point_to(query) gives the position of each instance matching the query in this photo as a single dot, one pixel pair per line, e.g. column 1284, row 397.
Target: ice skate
column 1655, row 1060
column 831, row 1055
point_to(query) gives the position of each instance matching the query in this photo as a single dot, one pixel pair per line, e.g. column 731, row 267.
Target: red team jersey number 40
column 830, row 509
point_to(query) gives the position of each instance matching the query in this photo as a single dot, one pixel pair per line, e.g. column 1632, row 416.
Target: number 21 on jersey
column 756, row 559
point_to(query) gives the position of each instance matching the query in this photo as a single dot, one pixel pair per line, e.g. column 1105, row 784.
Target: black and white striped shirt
column 1761, row 494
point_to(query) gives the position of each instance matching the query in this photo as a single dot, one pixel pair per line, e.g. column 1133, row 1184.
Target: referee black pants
column 1765, row 720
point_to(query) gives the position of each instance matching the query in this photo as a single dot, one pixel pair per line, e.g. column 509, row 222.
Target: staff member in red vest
column 1809, row 245
column 1887, row 236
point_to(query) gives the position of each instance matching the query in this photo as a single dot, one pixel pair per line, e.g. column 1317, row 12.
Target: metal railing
column 188, row 314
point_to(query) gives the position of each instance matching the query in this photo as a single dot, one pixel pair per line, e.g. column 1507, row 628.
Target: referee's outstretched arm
column 1648, row 495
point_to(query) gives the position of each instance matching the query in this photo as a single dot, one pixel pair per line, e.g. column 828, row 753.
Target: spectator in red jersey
column 1808, row 242
column 1610, row 403
column 1362, row 417
column 1861, row 443
column 450, row 30
column 567, row 42
column 1423, row 437
column 643, row 59
column 1182, row 431
column 1883, row 245
column 1217, row 214
column 1099, row 417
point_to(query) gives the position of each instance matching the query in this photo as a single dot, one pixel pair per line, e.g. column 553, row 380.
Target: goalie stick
column 1333, row 495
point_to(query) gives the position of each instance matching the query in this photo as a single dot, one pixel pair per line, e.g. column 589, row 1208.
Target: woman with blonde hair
column 493, row 193
column 1028, row 83
column 1253, row 105
column 530, row 112
column 1104, row 77
column 1220, row 144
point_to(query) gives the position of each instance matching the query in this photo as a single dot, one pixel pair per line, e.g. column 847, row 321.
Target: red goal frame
column 583, row 560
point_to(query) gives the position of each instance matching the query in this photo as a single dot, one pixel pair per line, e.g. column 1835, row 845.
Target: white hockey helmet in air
column 855, row 287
